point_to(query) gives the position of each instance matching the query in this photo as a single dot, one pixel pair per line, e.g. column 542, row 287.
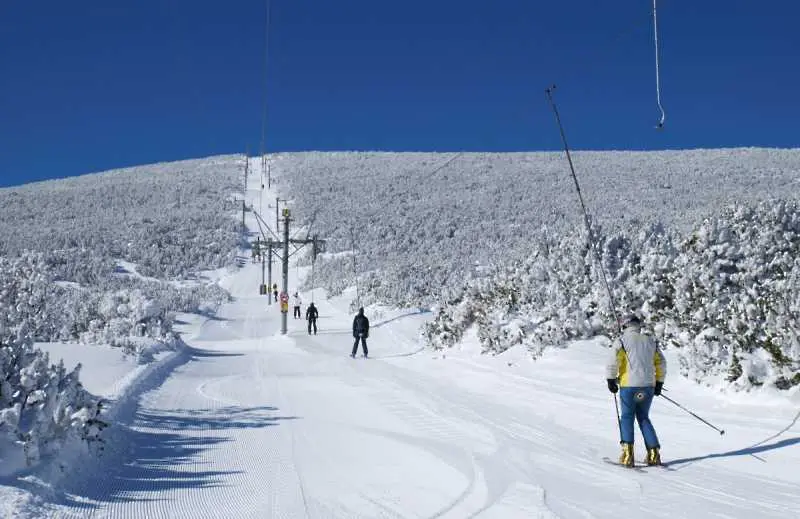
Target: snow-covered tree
column 42, row 406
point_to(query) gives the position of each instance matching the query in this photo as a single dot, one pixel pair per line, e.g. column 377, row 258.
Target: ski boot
column 653, row 456
column 626, row 457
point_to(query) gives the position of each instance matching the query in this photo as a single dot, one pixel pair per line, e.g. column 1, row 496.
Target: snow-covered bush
column 496, row 241
column 125, row 311
column 169, row 220
column 422, row 222
column 43, row 407
column 736, row 292
column 726, row 296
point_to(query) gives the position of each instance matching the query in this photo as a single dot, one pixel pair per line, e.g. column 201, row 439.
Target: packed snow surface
column 245, row 422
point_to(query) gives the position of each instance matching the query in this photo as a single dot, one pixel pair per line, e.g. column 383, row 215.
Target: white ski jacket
column 636, row 360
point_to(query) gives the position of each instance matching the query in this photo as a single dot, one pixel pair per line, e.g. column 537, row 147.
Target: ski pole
column 720, row 431
column 619, row 420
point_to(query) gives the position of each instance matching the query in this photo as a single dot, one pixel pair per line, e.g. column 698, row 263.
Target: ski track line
column 751, row 502
column 442, row 405
column 201, row 390
column 295, row 465
column 523, row 432
column 451, row 456
column 386, row 511
column 282, row 452
column 303, row 434
column 430, row 420
column 437, row 438
column 501, row 459
column 523, row 441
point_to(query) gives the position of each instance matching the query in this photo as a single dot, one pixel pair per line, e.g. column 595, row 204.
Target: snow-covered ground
column 244, row 422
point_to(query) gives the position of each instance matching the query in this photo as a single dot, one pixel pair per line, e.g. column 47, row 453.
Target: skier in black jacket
column 360, row 331
column 311, row 317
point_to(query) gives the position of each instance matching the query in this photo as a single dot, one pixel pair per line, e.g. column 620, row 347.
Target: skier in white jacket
column 297, row 303
column 640, row 367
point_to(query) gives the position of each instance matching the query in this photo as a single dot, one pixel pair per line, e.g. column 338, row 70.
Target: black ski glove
column 657, row 390
column 612, row 385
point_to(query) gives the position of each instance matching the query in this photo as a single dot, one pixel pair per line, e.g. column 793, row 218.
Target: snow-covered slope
column 693, row 240
column 422, row 222
column 244, row 422
column 249, row 424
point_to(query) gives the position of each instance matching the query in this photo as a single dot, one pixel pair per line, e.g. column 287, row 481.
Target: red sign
column 284, row 297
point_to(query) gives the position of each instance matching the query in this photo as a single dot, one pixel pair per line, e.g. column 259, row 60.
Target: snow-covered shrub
column 169, row 221
column 419, row 223
column 727, row 296
column 506, row 229
column 43, row 407
column 736, row 285
column 129, row 312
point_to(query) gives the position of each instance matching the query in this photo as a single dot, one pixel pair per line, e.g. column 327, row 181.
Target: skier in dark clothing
column 311, row 317
column 360, row 331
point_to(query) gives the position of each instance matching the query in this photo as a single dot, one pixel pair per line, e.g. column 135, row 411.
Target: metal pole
column 598, row 257
column 285, row 269
column 263, row 265
column 269, row 283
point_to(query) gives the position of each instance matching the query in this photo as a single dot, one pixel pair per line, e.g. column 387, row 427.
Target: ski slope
column 250, row 423
column 247, row 423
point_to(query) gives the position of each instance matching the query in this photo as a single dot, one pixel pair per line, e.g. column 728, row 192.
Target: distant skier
column 641, row 368
column 297, row 302
column 311, row 317
column 275, row 291
column 360, row 331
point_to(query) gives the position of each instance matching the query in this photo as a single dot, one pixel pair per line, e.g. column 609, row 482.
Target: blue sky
column 93, row 85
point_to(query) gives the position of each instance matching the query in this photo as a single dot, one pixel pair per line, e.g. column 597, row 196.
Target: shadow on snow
column 157, row 455
column 232, row 417
column 197, row 353
column 748, row 451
